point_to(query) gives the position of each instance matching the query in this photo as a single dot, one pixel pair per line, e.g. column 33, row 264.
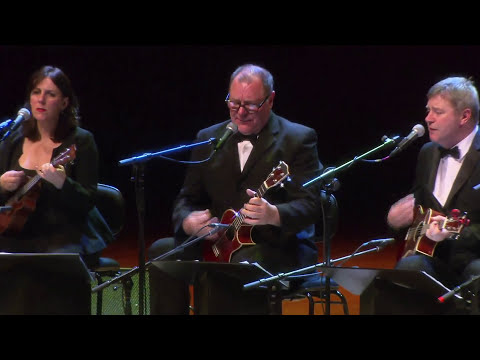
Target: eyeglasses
column 250, row 108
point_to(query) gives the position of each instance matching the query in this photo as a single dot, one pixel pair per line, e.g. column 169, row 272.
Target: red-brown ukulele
column 238, row 233
column 24, row 201
column 417, row 242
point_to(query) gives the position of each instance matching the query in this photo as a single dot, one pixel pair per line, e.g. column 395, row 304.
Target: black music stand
column 218, row 287
column 44, row 284
column 394, row 292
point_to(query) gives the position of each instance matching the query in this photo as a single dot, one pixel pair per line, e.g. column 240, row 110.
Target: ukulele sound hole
column 230, row 233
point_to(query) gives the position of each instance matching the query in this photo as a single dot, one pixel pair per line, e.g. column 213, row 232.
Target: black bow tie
column 453, row 152
column 251, row 138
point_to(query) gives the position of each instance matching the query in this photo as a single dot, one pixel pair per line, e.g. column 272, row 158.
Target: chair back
column 111, row 204
column 329, row 224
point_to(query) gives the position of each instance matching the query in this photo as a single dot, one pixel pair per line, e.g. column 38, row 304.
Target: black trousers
column 214, row 293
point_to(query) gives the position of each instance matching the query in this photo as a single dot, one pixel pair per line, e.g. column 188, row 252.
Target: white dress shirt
column 244, row 149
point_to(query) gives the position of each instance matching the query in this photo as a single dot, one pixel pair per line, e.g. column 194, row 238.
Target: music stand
column 44, row 284
column 392, row 291
column 229, row 296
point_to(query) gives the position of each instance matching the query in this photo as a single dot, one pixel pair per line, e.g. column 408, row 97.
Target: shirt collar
column 465, row 144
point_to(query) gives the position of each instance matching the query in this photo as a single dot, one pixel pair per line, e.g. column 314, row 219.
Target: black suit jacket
column 464, row 196
column 218, row 185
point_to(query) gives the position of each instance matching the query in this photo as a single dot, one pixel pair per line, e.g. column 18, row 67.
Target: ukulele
column 24, row 201
column 238, row 233
column 417, row 242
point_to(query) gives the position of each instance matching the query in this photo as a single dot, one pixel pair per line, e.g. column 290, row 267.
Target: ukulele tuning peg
column 455, row 213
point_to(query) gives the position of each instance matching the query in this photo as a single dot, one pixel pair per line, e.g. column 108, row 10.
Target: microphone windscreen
column 419, row 129
column 25, row 113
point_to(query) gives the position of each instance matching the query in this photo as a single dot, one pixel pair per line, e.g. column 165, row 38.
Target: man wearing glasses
column 280, row 223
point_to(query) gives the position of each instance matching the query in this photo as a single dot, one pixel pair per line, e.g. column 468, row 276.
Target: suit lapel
column 432, row 168
column 472, row 159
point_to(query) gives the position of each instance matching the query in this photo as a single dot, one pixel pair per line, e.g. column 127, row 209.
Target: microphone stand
column 138, row 177
column 148, row 156
column 387, row 143
column 329, row 173
column 280, row 276
column 329, row 187
column 136, row 269
column 328, row 231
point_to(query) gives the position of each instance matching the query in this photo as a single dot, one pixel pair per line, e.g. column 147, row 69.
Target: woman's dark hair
column 69, row 118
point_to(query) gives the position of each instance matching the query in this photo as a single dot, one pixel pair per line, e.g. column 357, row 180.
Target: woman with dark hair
column 51, row 151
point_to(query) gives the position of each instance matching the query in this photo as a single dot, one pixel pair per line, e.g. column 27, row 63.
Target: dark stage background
column 138, row 99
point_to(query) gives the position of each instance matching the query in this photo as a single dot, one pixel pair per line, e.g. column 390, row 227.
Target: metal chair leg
column 99, row 295
column 322, row 296
column 127, row 293
column 344, row 301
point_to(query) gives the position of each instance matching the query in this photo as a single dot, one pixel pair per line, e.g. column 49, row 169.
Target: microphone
column 218, row 225
column 23, row 114
column 381, row 243
column 230, row 130
column 4, row 126
column 5, row 208
column 456, row 289
column 417, row 131
column 448, row 295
